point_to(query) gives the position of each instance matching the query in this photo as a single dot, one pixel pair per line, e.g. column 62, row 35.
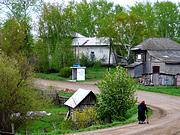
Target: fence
column 8, row 133
column 58, row 100
column 158, row 79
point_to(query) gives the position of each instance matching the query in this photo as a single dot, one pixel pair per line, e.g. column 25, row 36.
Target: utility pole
column 78, row 62
column 110, row 46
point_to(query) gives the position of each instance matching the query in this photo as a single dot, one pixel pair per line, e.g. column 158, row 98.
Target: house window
column 156, row 69
column 139, row 57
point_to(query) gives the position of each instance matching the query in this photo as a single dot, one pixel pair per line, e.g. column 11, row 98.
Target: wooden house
column 157, row 61
column 79, row 100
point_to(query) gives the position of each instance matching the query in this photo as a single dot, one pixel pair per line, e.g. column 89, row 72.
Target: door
column 156, row 69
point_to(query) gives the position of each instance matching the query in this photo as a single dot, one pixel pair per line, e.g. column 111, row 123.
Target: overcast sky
column 121, row 2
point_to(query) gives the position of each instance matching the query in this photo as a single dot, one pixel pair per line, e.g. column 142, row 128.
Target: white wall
column 100, row 53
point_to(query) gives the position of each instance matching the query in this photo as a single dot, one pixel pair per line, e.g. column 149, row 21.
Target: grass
column 95, row 73
column 58, row 114
column 170, row 90
column 92, row 74
column 132, row 113
column 65, row 94
column 47, row 122
column 50, row 76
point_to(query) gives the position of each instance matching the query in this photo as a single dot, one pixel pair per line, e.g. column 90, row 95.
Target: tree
column 19, row 9
column 167, row 14
column 117, row 95
column 16, row 95
column 12, row 37
column 145, row 11
column 56, row 36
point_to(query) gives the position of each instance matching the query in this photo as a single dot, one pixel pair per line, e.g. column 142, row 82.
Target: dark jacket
column 142, row 108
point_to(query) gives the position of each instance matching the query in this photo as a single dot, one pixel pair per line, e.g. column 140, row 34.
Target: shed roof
column 134, row 64
column 166, row 56
column 157, row 44
column 77, row 98
column 90, row 41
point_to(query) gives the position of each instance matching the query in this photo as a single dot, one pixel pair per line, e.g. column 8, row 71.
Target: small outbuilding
column 79, row 100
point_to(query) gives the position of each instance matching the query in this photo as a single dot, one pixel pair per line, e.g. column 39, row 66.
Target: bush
column 65, row 72
column 117, row 95
column 85, row 118
column 86, row 61
column 97, row 64
column 66, row 125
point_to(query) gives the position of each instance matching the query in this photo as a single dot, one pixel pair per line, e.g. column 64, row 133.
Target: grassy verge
column 132, row 114
column 48, row 123
column 52, row 123
column 65, row 94
column 50, row 76
column 92, row 74
column 170, row 90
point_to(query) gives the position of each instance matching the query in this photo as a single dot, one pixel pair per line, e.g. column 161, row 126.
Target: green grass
column 95, row 73
column 65, row 94
column 92, row 74
column 131, row 114
column 37, row 125
column 58, row 115
column 170, row 90
column 50, row 76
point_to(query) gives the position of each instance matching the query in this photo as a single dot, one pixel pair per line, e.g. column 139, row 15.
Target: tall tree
column 16, row 94
column 12, row 37
column 146, row 13
column 55, row 33
column 19, row 9
column 167, row 14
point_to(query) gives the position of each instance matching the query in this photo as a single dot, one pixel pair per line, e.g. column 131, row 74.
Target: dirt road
column 165, row 119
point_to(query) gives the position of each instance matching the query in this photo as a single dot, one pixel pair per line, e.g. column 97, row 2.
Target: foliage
column 92, row 74
column 62, row 127
column 65, row 94
column 170, row 90
column 65, row 72
column 117, row 95
column 85, row 61
column 167, row 14
column 50, row 123
column 12, row 37
column 49, row 76
column 85, row 118
column 19, row 9
column 67, row 125
column 40, row 51
column 16, row 94
column 55, row 36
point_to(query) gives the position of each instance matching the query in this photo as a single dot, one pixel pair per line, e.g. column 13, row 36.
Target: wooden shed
column 157, row 61
column 79, row 100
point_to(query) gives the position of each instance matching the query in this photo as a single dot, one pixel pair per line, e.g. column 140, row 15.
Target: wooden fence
column 58, row 100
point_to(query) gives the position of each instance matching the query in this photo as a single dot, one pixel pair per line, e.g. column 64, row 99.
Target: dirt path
column 165, row 119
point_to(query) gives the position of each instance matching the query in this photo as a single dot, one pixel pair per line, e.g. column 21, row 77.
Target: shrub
column 85, row 61
column 85, row 118
column 97, row 63
column 117, row 95
column 66, row 125
column 65, row 72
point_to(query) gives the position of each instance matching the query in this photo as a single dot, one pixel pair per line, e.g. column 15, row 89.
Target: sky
column 123, row 3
